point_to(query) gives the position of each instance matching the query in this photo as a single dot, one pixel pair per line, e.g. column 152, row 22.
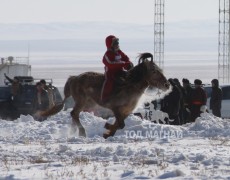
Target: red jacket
column 115, row 61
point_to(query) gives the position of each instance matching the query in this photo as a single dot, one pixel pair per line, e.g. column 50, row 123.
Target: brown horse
column 86, row 92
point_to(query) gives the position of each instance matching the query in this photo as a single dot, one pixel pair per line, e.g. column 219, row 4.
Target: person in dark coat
column 170, row 104
column 182, row 95
column 42, row 101
column 15, row 97
column 187, row 100
column 199, row 99
column 16, row 86
column 49, row 90
column 216, row 98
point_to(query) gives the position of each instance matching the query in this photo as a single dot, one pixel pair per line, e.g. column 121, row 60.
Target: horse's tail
column 67, row 92
column 59, row 106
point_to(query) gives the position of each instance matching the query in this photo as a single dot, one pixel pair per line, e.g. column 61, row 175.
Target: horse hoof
column 107, row 126
column 121, row 126
column 73, row 129
column 82, row 132
column 106, row 136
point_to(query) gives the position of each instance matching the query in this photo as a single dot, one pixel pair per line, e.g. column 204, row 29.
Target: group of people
column 44, row 98
column 185, row 103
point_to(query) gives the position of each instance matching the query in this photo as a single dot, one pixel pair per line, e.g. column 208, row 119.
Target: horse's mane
column 137, row 73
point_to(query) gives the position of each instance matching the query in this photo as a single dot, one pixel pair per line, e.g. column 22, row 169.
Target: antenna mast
column 159, row 33
column 224, row 41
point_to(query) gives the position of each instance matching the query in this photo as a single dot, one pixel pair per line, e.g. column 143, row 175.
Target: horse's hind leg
column 76, row 121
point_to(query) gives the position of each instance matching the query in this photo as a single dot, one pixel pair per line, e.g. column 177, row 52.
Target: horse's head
column 153, row 75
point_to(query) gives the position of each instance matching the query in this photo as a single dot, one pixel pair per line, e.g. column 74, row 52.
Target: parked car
column 25, row 103
column 225, row 108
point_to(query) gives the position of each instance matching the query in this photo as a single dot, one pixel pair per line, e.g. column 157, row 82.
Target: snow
column 52, row 149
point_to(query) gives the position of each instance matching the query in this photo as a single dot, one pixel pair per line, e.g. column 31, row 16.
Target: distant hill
column 89, row 36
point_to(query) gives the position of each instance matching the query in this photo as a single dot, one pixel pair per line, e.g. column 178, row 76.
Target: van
column 225, row 107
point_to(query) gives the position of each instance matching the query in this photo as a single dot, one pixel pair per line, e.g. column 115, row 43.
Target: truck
column 11, row 109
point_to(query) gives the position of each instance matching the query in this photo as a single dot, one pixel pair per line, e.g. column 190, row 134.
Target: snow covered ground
column 142, row 150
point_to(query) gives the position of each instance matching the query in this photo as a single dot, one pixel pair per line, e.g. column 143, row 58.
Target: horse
column 86, row 91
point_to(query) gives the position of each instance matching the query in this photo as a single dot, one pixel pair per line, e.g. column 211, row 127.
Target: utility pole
column 159, row 33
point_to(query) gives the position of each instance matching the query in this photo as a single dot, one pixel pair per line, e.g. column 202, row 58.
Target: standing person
column 199, row 99
column 116, row 62
column 15, row 86
column 216, row 98
column 49, row 91
column 170, row 104
column 42, row 101
column 16, row 90
column 182, row 95
column 187, row 100
column 2, row 60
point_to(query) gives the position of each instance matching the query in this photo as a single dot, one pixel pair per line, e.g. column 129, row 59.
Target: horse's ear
column 155, row 67
column 141, row 61
column 144, row 57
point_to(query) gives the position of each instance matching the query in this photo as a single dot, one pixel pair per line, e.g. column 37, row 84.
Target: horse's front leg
column 120, row 116
column 121, row 119
column 111, row 129
column 117, row 125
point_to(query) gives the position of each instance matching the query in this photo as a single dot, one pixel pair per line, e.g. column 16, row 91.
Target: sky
column 127, row 11
column 189, row 24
